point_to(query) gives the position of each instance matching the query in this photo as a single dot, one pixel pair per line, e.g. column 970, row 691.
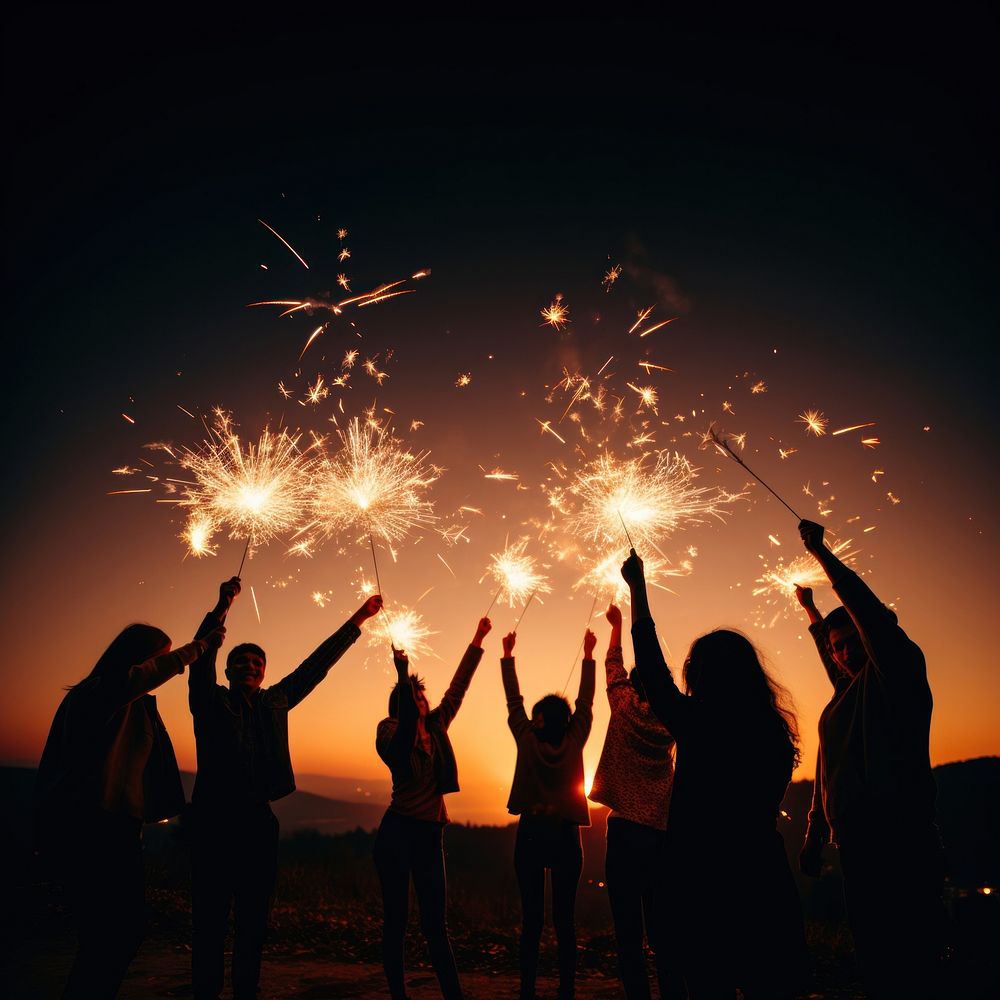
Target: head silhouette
column 844, row 642
column 550, row 717
column 723, row 669
column 134, row 644
column 418, row 686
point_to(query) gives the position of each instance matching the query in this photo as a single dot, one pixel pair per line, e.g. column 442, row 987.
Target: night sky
column 816, row 207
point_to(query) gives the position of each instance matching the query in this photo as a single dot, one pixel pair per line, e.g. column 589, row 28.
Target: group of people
column 694, row 780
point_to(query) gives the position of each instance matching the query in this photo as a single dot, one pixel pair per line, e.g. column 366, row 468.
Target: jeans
column 553, row 844
column 406, row 847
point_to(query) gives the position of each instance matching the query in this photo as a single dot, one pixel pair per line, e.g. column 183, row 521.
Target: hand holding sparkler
column 228, row 592
column 812, row 536
column 215, row 638
column 369, row 609
column 508, row 644
column 402, row 664
column 482, row 630
column 589, row 642
column 805, row 598
column 635, row 577
column 614, row 615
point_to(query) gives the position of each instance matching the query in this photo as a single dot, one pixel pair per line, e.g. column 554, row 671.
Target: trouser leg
column 252, row 898
column 625, row 894
column 211, row 895
column 392, row 862
column 430, row 883
column 566, row 865
column 529, row 868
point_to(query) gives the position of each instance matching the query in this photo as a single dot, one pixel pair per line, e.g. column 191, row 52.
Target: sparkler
column 523, row 613
column 572, row 666
column 259, row 491
column 723, row 446
column 815, row 422
column 197, row 535
column 406, row 630
column 603, row 576
column 515, row 574
column 556, row 314
column 781, row 580
column 655, row 499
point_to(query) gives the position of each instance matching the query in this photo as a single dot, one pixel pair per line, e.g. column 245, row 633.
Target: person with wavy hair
column 108, row 767
column 736, row 918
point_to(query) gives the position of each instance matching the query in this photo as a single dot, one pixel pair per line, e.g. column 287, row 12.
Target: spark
column 320, row 598
column 876, row 473
column 287, row 244
column 407, row 631
column 259, row 491
column 653, row 329
column 784, row 453
column 318, row 391
column 499, row 474
column 341, row 234
column 253, row 594
column 463, row 380
column 643, row 313
column 446, row 566
column 556, row 314
column 302, row 548
column 515, row 574
column 546, row 426
column 197, row 535
column 780, row 581
column 349, row 358
column 415, row 425
column 370, row 366
column 376, row 299
column 855, row 427
column 649, row 365
column 815, row 422
column 116, row 493
column 727, row 407
column 344, row 282
column 871, row 442
column 319, row 329
column 892, row 498
column 188, row 412
column 612, row 275
column 128, row 418
column 344, row 254
column 125, row 470
column 471, row 510
column 758, row 387
column 603, row 575
column 653, row 499
column 373, row 483
column 647, row 394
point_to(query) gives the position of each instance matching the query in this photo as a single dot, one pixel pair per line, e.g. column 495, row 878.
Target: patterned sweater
column 636, row 770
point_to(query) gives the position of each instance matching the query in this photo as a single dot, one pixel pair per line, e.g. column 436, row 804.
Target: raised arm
column 583, row 714
column 201, row 677
column 817, row 629
column 885, row 642
column 614, row 662
column 517, row 718
column 316, row 666
column 396, row 736
column 146, row 677
column 452, row 700
column 667, row 703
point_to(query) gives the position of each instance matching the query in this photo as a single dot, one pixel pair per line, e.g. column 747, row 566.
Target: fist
column 372, row 606
column 484, row 627
column 812, row 535
column 400, row 658
column 632, row 569
column 228, row 591
column 805, row 596
column 508, row 643
column 589, row 642
column 614, row 615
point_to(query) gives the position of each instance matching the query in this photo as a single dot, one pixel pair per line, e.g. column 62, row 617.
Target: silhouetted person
column 735, row 916
column 108, row 767
column 413, row 742
column 241, row 735
column 874, row 791
column 548, row 794
column 634, row 777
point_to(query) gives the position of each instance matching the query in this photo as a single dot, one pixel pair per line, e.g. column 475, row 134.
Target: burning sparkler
column 197, row 535
column 816, row 422
column 650, row 500
column 406, row 630
column 259, row 492
column 515, row 574
column 777, row 584
column 556, row 314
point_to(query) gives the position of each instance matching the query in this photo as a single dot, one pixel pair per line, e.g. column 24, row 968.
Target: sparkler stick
column 530, row 599
column 572, row 666
column 724, row 446
column 627, row 535
column 246, row 549
column 495, row 596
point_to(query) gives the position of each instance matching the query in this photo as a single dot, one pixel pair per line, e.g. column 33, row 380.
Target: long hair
column 724, row 669
column 417, row 683
column 135, row 643
column 555, row 712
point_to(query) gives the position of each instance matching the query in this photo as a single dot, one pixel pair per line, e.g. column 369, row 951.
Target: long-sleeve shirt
column 549, row 780
column 241, row 742
column 874, row 770
column 421, row 779
column 730, row 774
column 636, row 770
column 108, row 748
